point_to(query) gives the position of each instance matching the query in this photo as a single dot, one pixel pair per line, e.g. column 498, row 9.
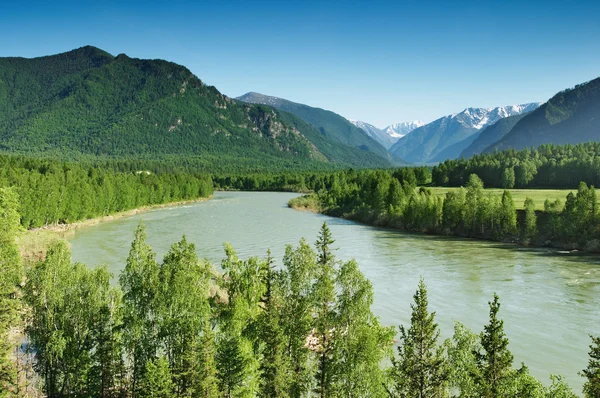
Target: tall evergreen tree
column 157, row 380
column 420, row 369
column 325, row 302
column 591, row 388
column 495, row 362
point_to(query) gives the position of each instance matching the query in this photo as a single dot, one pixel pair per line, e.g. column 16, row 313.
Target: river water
column 549, row 300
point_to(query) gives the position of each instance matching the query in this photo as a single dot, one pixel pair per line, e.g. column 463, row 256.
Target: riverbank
column 311, row 203
column 33, row 243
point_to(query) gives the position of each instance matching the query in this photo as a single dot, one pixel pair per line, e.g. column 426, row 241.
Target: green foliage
column 11, row 275
column 420, row 370
column 591, row 388
column 548, row 166
column 157, row 381
column 495, row 360
column 530, row 229
column 88, row 105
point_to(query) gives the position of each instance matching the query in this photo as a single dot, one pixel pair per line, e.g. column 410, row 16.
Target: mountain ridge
column 448, row 136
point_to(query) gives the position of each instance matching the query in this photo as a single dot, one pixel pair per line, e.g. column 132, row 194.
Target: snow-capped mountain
column 390, row 134
column 446, row 137
column 399, row 130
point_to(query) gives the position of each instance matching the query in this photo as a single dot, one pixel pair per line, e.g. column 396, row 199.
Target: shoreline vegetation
column 33, row 243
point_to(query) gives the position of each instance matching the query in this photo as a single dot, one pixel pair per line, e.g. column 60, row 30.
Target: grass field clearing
column 539, row 196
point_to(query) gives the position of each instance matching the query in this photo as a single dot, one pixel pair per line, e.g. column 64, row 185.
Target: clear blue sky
column 374, row 61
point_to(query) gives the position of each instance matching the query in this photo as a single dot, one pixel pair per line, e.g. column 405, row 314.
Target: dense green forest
column 548, row 166
column 52, row 192
column 87, row 104
column 392, row 199
column 178, row 328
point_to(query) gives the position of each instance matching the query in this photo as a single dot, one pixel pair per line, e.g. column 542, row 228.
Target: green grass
column 539, row 196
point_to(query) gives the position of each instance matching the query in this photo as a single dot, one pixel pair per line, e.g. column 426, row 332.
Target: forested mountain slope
column 330, row 124
column 570, row 117
column 491, row 134
column 88, row 104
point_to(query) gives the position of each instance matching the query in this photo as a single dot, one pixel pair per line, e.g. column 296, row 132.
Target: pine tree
column 420, row 369
column 591, row 388
column 325, row 301
column 495, row 362
column 275, row 367
column 207, row 383
column 156, row 382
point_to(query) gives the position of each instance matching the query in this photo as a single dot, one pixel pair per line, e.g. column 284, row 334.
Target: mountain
column 89, row 104
column 570, row 117
column 491, row 134
column 446, row 137
column 330, row 124
column 389, row 135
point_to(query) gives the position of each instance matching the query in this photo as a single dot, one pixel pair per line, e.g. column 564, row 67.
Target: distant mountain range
column 446, row 137
column 570, row 117
column 330, row 124
column 389, row 135
column 89, row 104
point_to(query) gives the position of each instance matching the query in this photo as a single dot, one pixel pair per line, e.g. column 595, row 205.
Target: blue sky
column 374, row 61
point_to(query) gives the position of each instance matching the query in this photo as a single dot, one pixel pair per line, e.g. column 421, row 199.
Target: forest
column 179, row 328
column 548, row 166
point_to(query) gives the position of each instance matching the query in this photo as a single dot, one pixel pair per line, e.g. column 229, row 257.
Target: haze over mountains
column 89, row 104
column 446, row 137
column 390, row 134
column 330, row 124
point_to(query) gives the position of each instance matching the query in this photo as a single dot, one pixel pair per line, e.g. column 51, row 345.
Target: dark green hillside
column 88, row 104
column 491, row 134
column 330, row 124
column 570, row 117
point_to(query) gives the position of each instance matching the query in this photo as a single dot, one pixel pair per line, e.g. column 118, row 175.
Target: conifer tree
column 591, row 388
column 420, row 369
column 495, row 362
column 157, row 382
column 207, row 383
column 325, row 301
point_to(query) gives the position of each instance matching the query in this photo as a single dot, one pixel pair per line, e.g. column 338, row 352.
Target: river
column 549, row 300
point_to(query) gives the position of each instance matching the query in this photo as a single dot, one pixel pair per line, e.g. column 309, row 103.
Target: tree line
column 177, row 328
column 390, row 199
column 52, row 192
column 548, row 166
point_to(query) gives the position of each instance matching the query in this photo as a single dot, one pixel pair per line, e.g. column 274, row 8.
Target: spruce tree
column 495, row 362
column 420, row 370
column 591, row 388
column 325, row 301
column 156, row 382
column 207, row 382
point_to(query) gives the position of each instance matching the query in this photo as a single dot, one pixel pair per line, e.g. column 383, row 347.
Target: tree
column 462, row 361
column 507, row 227
column 156, row 382
column 362, row 343
column 141, row 287
column 420, row 369
column 325, row 301
column 495, row 362
column 591, row 388
column 508, row 178
column 530, row 228
column 10, row 278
